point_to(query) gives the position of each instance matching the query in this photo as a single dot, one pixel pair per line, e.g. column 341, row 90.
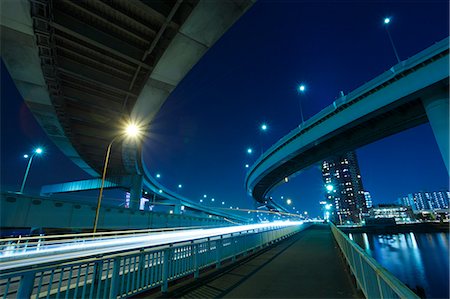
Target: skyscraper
column 344, row 187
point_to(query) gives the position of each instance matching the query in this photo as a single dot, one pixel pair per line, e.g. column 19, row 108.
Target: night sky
column 200, row 136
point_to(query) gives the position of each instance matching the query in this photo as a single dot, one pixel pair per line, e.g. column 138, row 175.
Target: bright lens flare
column 132, row 130
column 38, row 150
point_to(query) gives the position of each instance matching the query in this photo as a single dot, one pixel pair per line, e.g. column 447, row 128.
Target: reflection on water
column 417, row 259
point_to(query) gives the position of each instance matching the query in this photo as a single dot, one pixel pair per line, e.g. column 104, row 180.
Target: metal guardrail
column 138, row 270
column 373, row 280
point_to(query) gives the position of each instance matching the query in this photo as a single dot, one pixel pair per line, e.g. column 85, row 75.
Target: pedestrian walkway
column 308, row 265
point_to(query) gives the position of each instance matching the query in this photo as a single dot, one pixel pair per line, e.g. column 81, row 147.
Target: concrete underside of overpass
column 85, row 68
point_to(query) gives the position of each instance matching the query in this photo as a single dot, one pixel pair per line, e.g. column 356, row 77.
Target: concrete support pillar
column 438, row 114
column 135, row 191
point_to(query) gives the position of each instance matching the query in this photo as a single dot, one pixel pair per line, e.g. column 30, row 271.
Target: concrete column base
column 135, row 192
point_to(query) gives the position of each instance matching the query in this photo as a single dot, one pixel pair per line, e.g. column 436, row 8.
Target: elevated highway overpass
column 411, row 93
column 84, row 68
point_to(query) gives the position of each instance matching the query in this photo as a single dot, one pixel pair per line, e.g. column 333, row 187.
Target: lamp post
column 386, row 23
column 301, row 90
column 263, row 129
column 37, row 151
column 131, row 130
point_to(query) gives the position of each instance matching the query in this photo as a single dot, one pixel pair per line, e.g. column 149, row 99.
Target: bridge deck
column 307, row 265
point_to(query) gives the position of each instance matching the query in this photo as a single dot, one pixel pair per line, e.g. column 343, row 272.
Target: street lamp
column 180, row 186
column 249, row 150
column 329, row 188
column 386, row 23
column 288, row 201
column 264, row 127
column 158, row 176
column 301, row 90
column 37, row 151
column 247, row 166
column 132, row 131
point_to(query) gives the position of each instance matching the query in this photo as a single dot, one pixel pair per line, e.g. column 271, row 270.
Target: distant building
column 342, row 179
column 397, row 212
column 421, row 201
column 368, row 199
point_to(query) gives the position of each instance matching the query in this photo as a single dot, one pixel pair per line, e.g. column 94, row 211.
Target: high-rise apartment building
column 419, row 201
column 344, row 188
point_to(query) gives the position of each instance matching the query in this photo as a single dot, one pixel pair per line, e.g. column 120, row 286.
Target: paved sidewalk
column 307, row 265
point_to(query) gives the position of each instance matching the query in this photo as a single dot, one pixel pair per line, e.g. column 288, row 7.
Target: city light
column 301, row 88
column 180, row 186
column 25, row 156
column 387, row 20
column 204, row 196
column 247, row 166
column 212, row 199
column 158, row 175
column 160, row 191
column 38, row 151
column 223, row 202
column 288, row 201
column 249, row 151
column 329, row 187
column 264, row 127
column 201, row 200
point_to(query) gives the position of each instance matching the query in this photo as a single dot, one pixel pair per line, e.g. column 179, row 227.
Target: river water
column 417, row 259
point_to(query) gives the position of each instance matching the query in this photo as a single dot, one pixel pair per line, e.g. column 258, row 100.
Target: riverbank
column 422, row 227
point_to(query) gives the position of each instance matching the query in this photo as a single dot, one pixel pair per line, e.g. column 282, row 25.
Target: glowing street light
column 264, row 127
column 158, row 175
column 288, row 201
column 249, row 151
column 133, row 131
column 247, row 166
column 329, row 188
column 301, row 90
column 180, row 186
column 37, row 151
column 386, row 23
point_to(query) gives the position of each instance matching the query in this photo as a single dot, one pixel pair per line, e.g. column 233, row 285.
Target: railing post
column 26, row 285
column 218, row 252
column 165, row 269
column 379, row 286
column 233, row 242
column 363, row 276
column 195, row 254
column 115, row 279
